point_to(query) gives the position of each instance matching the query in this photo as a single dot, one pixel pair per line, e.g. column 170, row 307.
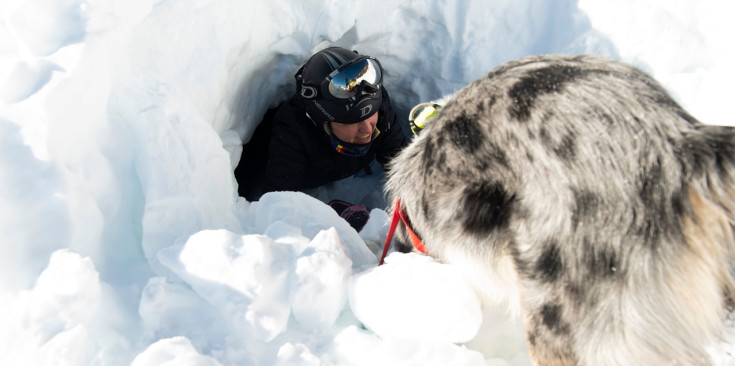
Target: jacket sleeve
column 287, row 158
column 392, row 140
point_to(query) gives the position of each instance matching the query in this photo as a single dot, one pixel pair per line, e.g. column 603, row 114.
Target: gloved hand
column 355, row 215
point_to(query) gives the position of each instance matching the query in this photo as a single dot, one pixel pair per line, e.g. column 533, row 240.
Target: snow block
column 412, row 296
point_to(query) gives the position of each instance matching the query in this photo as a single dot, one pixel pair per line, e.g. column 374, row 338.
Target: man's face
column 355, row 133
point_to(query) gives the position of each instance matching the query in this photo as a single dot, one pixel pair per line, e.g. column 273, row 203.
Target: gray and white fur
column 578, row 190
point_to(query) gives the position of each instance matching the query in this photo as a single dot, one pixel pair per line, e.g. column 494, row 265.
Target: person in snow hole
column 337, row 122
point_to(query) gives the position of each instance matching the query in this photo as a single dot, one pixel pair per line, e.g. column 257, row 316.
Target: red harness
column 399, row 214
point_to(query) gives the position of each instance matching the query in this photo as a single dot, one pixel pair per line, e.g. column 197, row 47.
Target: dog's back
column 581, row 185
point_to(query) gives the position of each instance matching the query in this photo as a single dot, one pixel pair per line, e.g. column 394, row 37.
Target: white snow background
column 122, row 240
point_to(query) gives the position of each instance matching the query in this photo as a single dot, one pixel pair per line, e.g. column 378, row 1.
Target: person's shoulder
column 289, row 113
column 387, row 114
column 290, row 119
column 384, row 92
column 287, row 108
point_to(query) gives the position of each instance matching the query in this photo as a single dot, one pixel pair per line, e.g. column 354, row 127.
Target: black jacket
column 301, row 156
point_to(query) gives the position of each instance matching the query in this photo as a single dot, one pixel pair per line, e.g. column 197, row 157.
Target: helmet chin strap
column 328, row 130
column 345, row 148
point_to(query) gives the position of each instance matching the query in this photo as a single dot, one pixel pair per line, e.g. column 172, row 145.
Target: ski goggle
column 351, row 79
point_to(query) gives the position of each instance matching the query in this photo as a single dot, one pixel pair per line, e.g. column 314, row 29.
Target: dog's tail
column 685, row 298
column 712, row 150
column 710, row 227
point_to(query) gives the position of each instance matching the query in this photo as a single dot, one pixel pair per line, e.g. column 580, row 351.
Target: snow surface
column 121, row 237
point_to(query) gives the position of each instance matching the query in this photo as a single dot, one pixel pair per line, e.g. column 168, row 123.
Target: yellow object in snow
column 420, row 114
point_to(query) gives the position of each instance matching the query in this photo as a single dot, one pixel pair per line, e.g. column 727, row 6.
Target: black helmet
column 339, row 85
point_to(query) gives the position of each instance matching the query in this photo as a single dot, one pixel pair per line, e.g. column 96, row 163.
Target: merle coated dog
column 579, row 190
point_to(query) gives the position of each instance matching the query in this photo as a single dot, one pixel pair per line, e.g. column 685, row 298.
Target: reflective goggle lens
column 347, row 82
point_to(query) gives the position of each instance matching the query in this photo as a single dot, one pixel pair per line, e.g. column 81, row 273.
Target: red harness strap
column 391, row 231
column 399, row 214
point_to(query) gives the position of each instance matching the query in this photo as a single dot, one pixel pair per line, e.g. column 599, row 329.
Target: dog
column 578, row 189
